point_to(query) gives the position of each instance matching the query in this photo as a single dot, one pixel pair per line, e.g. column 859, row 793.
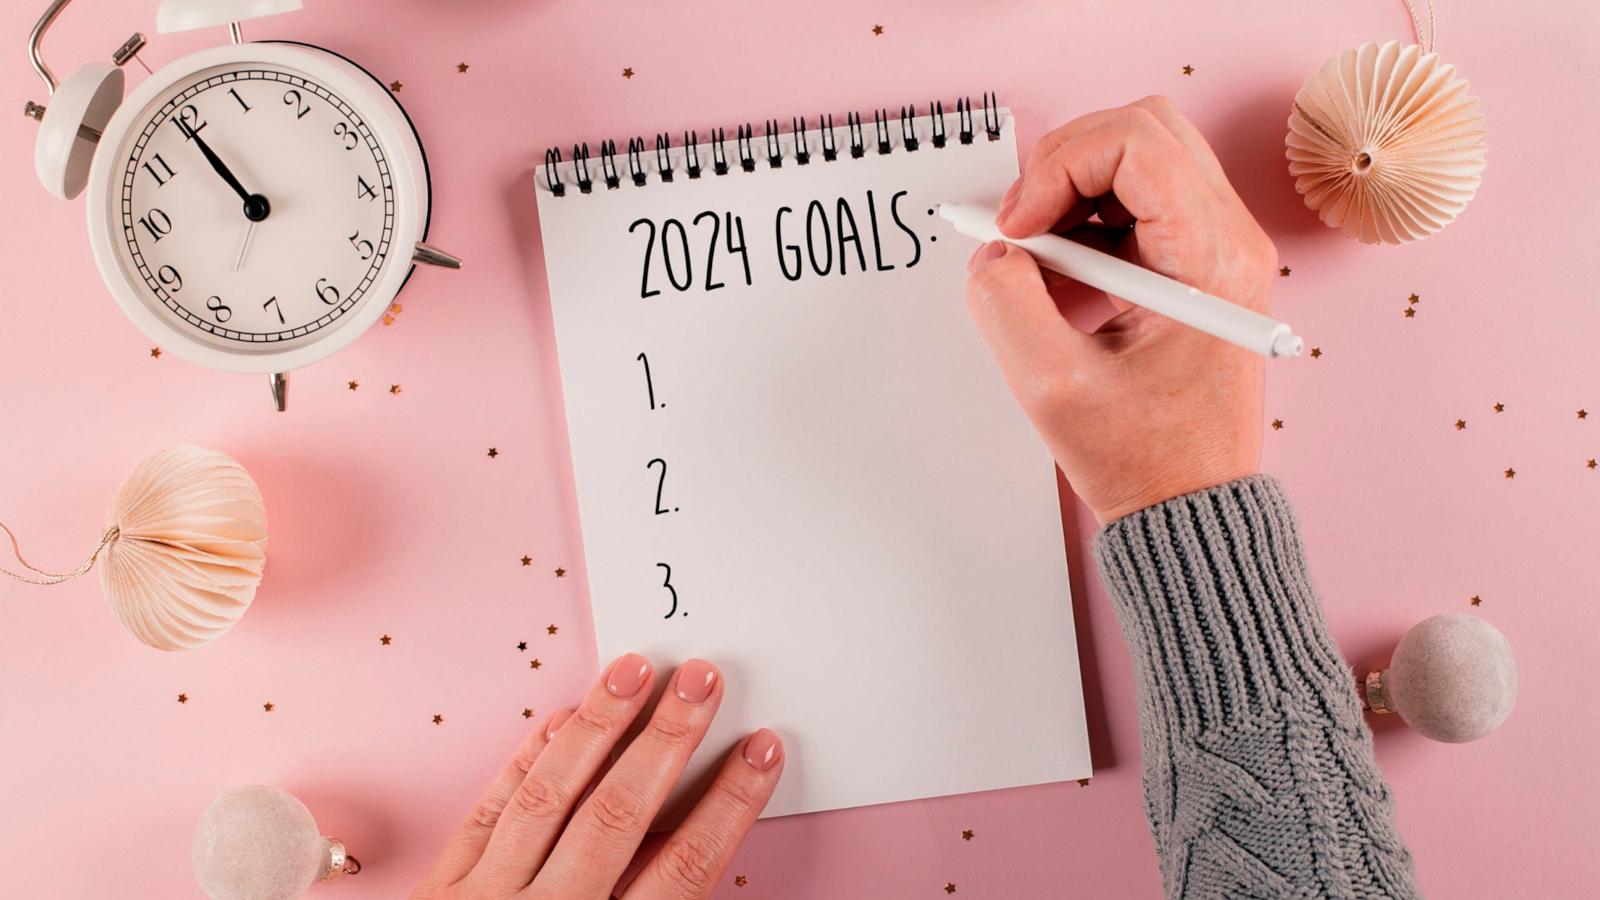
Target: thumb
column 1033, row 343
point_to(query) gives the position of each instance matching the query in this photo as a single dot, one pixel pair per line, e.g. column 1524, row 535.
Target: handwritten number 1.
column 648, row 385
column 667, row 583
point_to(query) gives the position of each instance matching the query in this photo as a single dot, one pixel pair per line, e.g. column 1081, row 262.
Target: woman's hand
column 1144, row 409
column 531, row 837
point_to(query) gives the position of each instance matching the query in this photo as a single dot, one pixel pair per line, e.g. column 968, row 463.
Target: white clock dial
column 255, row 205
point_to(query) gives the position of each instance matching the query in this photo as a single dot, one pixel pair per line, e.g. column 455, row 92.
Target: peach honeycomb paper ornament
column 185, row 548
column 1386, row 144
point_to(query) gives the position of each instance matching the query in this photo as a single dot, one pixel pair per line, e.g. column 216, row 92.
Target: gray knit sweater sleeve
column 1259, row 779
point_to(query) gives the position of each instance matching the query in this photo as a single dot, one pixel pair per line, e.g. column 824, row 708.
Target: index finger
column 1131, row 154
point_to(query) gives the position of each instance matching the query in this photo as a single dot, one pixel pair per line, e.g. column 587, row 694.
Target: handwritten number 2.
column 660, row 484
column 648, row 385
column 649, row 243
column 667, row 583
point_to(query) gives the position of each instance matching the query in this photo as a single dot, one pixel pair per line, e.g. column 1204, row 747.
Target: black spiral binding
column 772, row 137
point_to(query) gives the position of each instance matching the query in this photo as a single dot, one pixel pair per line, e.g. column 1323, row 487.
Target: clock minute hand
column 256, row 207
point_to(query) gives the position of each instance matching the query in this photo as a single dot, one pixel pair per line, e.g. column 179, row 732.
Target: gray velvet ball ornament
column 260, row 843
column 1452, row 678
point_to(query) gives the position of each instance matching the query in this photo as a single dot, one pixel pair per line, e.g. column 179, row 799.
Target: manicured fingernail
column 986, row 254
column 762, row 750
column 627, row 675
column 695, row 680
column 1009, row 202
column 556, row 721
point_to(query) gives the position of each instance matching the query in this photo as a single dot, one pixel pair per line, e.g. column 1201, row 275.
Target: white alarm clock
column 253, row 207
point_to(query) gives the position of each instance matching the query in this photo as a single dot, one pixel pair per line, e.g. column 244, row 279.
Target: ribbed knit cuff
column 1215, row 601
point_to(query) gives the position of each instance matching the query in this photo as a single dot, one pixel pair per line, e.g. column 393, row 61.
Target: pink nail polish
column 695, row 680
column 986, row 254
column 556, row 721
column 627, row 675
column 1010, row 201
column 762, row 750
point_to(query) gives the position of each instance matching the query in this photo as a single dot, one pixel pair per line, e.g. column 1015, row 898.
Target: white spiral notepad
column 795, row 457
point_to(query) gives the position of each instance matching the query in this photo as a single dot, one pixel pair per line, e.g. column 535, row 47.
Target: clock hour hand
column 256, row 207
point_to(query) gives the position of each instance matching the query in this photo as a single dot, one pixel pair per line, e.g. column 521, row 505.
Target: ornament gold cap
column 340, row 862
column 1375, row 695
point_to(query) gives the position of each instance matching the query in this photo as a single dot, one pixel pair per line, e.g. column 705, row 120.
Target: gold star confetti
column 1083, row 782
column 354, row 385
column 1476, row 600
column 877, row 29
column 561, row 573
column 1499, row 407
column 534, row 664
column 1188, row 70
column 438, row 720
column 395, row 86
column 1411, row 313
column 267, row 706
column 1284, row 272
column 1414, row 299
column 966, row 834
column 1583, row 414
column 522, row 645
column 950, row 887
column 396, row 308
column 550, row 629
column 183, row 698
column 1592, row 463
column 628, row 72
column 1316, row 352
column 1277, row 424
column 394, row 389
column 155, row 352
column 527, row 560
column 462, row 68
column 493, row 453
column 527, row 713
column 388, row 320
column 1511, row 473
column 740, row 881
column 1461, row 424
column 384, row 640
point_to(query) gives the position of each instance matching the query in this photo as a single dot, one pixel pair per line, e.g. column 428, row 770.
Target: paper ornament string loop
column 1433, row 26
column 40, row 576
column 183, row 551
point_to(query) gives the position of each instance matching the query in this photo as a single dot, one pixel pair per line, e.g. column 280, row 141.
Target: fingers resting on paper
column 556, row 822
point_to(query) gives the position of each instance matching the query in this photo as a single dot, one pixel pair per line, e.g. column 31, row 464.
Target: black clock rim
column 427, row 172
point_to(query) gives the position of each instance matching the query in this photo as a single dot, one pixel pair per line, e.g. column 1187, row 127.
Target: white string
column 1416, row 23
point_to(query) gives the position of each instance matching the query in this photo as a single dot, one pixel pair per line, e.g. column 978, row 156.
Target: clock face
column 253, row 207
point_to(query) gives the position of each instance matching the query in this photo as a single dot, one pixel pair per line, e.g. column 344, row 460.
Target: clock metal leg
column 280, row 390
column 429, row 255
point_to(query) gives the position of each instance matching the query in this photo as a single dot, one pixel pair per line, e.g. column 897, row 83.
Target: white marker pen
column 1140, row 286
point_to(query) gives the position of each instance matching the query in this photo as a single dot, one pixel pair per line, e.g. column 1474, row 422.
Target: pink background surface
column 387, row 516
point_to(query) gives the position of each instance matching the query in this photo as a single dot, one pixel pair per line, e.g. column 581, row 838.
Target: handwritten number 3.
column 667, row 583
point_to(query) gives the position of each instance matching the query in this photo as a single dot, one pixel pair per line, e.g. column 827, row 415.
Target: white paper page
column 862, row 529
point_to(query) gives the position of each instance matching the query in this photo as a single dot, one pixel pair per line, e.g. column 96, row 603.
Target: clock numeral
column 161, row 179
column 327, row 292
column 158, row 223
column 291, row 97
column 247, row 107
column 341, row 130
column 365, row 190
column 364, row 248
column 272, row 304
column 189, row 122
column 170, row 277
column 219, row 310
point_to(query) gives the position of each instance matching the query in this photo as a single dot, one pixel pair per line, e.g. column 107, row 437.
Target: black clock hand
column 256, row 206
